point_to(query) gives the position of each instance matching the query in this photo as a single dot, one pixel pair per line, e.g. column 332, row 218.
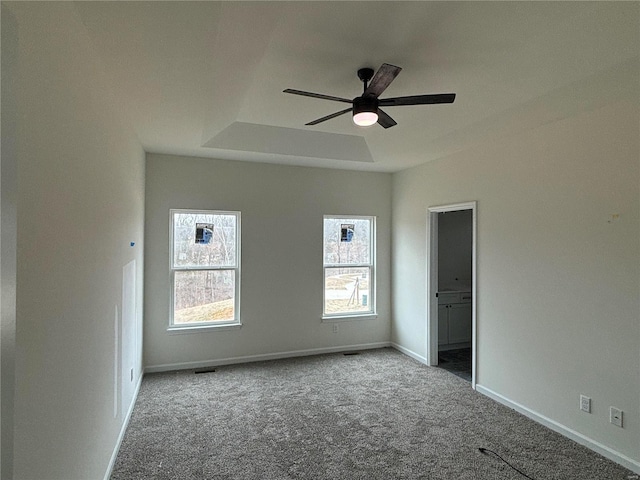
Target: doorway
column 451, row 288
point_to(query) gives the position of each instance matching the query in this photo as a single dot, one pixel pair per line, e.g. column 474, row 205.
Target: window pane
column 347, row 290
column 204, row 240
column 203, row 296
column 347, row 241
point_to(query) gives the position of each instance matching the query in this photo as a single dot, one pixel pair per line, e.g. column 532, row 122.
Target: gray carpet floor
column 375, row 415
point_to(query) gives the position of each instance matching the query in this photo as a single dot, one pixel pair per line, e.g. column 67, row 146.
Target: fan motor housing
column 365, row 104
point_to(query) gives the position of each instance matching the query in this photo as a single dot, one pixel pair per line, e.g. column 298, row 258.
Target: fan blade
column 316, row 95
column 329, row 117
column 381, row 80
column 385, row 120
column 418, row 100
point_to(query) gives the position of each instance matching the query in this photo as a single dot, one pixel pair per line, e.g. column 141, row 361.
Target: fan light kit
column 365, row 119
column 365, row 108
column 365, row 111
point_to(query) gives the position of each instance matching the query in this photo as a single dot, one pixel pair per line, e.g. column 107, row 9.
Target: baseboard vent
column 204, row 370
column 351, row 353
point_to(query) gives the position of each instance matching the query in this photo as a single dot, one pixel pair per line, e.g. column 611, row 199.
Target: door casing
column 432, row 283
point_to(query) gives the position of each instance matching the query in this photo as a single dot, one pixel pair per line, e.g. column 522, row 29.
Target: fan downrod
column 365, row 74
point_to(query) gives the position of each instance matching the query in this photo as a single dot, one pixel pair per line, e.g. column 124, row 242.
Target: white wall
column 80, row 203
column 558, row 278
column 282, row 280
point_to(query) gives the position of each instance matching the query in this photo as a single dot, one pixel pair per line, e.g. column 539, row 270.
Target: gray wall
column 8, row 243
column 80, row 202
column 558, row 276
column 455, row 238
column 282, row 280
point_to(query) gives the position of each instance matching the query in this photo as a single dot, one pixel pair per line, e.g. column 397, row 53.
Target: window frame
column 219, row 324
column 345, row 316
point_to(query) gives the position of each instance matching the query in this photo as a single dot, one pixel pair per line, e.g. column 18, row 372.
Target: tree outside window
column 349, row 273
column 205, row 267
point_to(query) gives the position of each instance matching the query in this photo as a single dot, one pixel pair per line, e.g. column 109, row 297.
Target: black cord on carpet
column 486, row 450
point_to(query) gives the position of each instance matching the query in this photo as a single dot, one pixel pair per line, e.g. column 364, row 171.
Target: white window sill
column 203, row 328
column 349, row 318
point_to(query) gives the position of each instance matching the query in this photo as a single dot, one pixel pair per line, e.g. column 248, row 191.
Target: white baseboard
column 410, row 353
column 262, row 357
column 603, row 450
column 123, row 429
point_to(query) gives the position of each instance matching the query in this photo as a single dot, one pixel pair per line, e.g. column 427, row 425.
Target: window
column 205, row 268
column 349, row 261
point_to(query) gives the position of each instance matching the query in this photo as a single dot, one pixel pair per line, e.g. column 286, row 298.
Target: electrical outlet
column 615, row 416
column 335, row 328
column 585, row 403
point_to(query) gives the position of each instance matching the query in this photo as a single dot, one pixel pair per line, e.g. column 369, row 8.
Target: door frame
column 432, row 282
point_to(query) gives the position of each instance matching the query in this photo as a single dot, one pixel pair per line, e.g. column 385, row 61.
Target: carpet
column 375, row 415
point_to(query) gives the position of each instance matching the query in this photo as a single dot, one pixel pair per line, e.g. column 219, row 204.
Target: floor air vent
column 351, row 353
column 204, row 370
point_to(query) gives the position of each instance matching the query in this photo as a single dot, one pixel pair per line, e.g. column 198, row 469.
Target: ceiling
column 206, row 78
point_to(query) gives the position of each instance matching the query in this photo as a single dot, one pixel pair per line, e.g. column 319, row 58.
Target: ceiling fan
column 365, row 108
